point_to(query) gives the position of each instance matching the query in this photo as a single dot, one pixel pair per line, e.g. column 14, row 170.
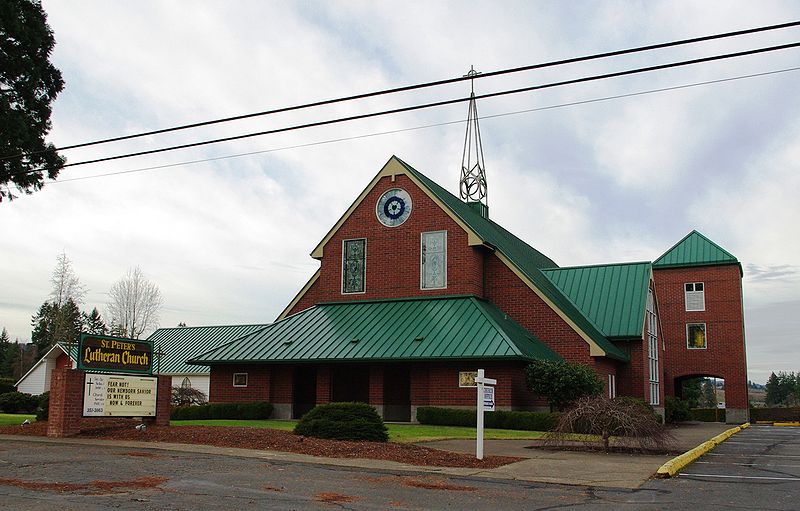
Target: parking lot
column 760, row 453
column 757, row 468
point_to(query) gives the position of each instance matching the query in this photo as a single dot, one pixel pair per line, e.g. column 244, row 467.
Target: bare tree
column 134, row 304
column 65, row 283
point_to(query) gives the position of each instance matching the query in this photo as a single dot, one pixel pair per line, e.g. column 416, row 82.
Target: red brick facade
column 724, row 354
column 393, row 271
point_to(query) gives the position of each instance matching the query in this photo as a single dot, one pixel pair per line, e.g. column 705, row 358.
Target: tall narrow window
column 652, row 348
column 434, row 260
column 354, row 256
column 695, row 296
column 612, row 386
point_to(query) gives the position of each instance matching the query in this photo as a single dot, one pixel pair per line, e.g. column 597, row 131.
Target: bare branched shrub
column 610, row 423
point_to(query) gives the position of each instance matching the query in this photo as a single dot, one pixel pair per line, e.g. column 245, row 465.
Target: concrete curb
column 675, row 465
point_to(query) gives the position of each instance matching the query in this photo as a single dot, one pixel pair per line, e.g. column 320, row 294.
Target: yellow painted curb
column 675, row 465
column 786, row 423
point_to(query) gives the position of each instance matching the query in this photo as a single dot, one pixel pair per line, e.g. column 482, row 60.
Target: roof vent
column 419, row 339
column 355, row 340
column 286, row 343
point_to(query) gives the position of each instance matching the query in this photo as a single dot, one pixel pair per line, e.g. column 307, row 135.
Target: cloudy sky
column 609, row 180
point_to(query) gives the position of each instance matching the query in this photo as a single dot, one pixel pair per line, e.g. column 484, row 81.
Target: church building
column 417, row 287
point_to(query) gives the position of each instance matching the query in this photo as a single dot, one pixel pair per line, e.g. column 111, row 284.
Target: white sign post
column 484, row 392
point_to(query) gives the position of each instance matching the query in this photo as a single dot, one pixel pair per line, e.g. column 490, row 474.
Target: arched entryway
column 704, row 393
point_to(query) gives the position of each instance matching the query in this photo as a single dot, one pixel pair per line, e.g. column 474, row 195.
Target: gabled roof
column 53, row 353
column 182, row 343
column 526, row 262
column 612, row 296
column 414, row 329
column 695, row 250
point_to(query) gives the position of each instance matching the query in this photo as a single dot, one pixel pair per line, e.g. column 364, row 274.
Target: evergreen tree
column 5, row 354
column 776, row 390
column 691, row 392
column 28, row 85
column 54, row 324
column 93, row 323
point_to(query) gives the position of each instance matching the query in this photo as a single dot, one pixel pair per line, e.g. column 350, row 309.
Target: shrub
column 525, row 421
column 343, row 421
column 43, row 410
column 7, row 385
column 625, row 419
column 182, row 396
column 676, row 410
column 708, row 414
column 775, row 414
column 562, row 382
column 17, row 402
column 242, row 411
column 642, row 404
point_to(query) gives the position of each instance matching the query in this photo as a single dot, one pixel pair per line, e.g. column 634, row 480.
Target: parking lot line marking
column 747, row 464
column 743, row 477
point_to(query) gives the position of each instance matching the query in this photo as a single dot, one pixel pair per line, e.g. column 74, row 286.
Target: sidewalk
column 582, row 468
column 561, row 467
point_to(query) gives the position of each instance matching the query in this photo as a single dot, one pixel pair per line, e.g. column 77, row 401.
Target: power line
column 442, row 103
column 406, row 88
column 426, row 126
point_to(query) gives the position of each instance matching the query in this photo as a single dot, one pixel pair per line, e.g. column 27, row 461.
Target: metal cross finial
column 472, row 74
column 472, row 186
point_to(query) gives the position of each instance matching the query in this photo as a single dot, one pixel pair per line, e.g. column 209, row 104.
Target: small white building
column 37, row 380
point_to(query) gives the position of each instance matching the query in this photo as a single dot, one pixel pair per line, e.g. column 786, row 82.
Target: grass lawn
column 15, row 419
column 404, row 433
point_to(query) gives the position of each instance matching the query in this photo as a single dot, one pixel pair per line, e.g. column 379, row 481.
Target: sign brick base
column 66, row 402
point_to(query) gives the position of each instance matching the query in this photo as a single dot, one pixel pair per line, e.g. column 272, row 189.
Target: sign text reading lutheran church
column 101, row 353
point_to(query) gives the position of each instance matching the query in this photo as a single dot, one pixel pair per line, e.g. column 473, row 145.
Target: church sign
column 114, row 354
column 109, row 395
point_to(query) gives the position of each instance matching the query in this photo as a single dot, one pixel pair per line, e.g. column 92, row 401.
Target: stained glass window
column 434, row 260
column 354, row 254
column 696, row 336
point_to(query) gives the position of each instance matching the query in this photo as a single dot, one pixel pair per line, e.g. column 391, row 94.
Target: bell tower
column 472, row 186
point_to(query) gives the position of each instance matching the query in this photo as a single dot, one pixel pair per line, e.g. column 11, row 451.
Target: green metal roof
column 695, row 250
column 182, row 343
column 71, row 349
column 416, row 329
column 612, row 296
column 526, row 258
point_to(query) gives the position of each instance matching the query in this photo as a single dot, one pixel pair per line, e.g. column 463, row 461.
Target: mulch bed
column 270, row 440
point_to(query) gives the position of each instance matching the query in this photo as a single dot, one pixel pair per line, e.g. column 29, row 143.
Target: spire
column 473, row 169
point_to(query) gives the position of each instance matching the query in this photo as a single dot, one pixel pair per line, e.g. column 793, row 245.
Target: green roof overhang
column 402, row 330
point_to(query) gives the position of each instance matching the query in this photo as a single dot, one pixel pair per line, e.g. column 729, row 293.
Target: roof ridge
column 599, row 265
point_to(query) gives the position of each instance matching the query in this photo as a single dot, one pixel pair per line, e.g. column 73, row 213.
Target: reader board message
column 115, row 354
column 107, row 395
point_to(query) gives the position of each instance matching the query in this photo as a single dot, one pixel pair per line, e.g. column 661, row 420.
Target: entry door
column 397, row 393
column 305, row 390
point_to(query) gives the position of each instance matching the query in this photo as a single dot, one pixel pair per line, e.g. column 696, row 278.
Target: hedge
column 526, row 421
column 775, row 414
column 7, row 385
column 241, row 411
column 17, row 402
column 708, row 414
column 343, row 421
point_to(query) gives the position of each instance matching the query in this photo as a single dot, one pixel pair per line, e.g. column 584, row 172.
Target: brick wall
column 393, row 253
column 724, row 356
column 221, row 389
column 525, row 307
